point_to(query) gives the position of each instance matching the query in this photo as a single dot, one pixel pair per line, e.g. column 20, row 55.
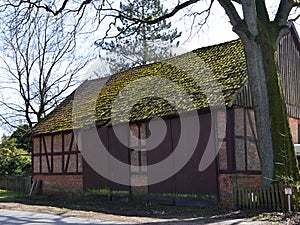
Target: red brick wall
column 227, row 183
column 246, row 151
column 246, row 180
column 221, row 136
column 58, row 163
column 55, row 143
column 36, row 144
column 226, row 190
column 60, row 184
column 246, row 158
column 294, row 129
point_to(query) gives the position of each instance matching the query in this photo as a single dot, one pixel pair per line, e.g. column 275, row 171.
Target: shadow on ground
column 173, row 215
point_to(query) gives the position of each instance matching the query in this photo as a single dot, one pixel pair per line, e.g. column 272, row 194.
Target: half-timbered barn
column 59, row 142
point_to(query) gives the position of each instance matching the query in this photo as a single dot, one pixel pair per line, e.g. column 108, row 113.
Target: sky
column 218, row 28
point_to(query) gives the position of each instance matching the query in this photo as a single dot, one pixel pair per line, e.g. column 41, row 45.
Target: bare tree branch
column 148, row 20
column 206, row 13
column 284, row 10
column 36, row 52
column 295, row 18
column 231, row 12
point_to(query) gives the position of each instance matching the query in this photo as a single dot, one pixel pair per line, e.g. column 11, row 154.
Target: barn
column 180, row 127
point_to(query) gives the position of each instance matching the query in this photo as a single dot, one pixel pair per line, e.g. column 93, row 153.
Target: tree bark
column 285, row 162
column 258, row 85
column 275, row 143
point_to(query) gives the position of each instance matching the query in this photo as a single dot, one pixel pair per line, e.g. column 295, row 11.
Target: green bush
column 13, row 160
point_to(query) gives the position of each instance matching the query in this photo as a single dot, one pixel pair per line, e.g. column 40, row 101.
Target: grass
column 9, row 194
column 107, row 192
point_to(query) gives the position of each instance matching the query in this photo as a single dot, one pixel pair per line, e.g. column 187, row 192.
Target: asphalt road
column 9, row 217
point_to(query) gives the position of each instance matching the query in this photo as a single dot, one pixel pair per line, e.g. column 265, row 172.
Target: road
column 11, row 217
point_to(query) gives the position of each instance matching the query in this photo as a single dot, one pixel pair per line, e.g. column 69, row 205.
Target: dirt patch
column 138, row 212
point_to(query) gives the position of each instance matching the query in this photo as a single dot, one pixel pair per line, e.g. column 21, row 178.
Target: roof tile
column 153, row 84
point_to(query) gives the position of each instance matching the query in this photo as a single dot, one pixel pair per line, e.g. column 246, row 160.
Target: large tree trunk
column 258, row 85
column 275, row 142
column 285, row 162
column 260, row 36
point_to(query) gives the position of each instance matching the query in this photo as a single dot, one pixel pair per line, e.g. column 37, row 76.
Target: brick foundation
column 60, row 184
column 227, row 182
column 247, row 181
column 226, row 190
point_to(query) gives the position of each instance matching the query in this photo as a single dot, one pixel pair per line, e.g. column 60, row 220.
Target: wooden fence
column 259, row 198
column 18, row 184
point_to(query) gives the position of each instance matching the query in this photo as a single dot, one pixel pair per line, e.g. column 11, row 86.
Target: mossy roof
column 181, row 84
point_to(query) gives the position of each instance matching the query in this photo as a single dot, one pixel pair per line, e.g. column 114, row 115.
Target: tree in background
column 40, row 63
column 22, row 137
column 140, row 43
column 14, row 161
column 15, row 153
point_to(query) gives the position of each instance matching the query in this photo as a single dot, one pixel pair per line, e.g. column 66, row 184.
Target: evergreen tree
column 140, row 44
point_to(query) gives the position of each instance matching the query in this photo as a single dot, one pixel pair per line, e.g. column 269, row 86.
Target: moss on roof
column 158, row 89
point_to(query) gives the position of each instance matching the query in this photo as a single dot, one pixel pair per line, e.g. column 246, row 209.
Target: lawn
column 9, row 194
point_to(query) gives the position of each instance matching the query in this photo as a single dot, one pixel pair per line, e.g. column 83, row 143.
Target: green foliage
column 21, row 134
column 180, row 195
column 139, row 44
column 107, row 192
column 8, row 194
column 14, row 161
